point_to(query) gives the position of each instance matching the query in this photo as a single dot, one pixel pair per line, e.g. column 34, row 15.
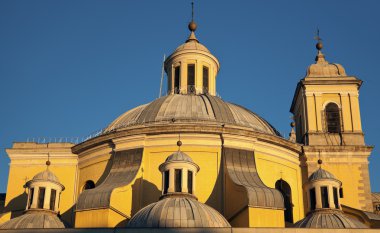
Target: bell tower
column 326, row 114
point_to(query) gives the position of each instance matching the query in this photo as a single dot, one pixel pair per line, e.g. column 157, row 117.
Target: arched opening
column 282, row 186
column 89, row 185
column 332, row 118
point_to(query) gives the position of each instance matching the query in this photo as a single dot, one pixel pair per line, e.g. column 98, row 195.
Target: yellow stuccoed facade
column 241, row 157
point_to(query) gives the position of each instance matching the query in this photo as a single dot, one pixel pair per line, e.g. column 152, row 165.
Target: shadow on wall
column 143, row 194
column 215, row 198
column 68, row 217
column 17, row 205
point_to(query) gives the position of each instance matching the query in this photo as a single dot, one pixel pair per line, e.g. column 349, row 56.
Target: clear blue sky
column 68, row 68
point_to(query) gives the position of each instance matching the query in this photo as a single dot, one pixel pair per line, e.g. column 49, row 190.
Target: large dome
column 178, row 212
column 192, row 109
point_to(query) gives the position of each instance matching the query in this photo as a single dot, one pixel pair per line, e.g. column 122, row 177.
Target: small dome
column 178, row 212
column 321, row 174
column 329, row 219
column 179, row 156
column 46, row 176
column 323, row 68
column 34, row 219
column 192, row 45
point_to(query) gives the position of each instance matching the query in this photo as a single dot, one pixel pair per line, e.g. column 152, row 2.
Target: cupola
column 191, row 68
column 178, row 206
column 324, row 207
column 42, row 206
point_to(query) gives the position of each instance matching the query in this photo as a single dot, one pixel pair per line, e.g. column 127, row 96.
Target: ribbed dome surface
column 179, row 156
column 192, row 45
column 178, row 212
column 46, row 176
column 323, row 68
column 192, row 109
column 329, row 219
column 321, row 174
column 34, row 219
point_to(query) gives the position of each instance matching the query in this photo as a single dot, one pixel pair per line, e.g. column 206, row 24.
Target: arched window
column 282, row 186
column 89, row 185
column 332, row 118
column 313, row 199
column 190, row 182
column 191, row 79
column 166, row 181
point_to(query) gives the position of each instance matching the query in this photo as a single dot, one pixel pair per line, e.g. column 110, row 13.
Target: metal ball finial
column 179, row 143
column 192, row 26
column 319, row 46
column 48, row 163
column 319, row 161
column 292, row 124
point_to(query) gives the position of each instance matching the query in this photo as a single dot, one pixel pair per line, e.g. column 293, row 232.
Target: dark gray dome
column 192, row 109
column 321, row 174
column 329, row 219
column 34, row 219
column 178, row 212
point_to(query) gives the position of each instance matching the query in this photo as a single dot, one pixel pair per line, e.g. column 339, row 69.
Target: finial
column 319, row 160
column 319, row 44
column 179, row 143
column 48, row 161
column 192, row 25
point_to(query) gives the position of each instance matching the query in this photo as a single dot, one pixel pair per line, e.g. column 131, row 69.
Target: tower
column 326, row 112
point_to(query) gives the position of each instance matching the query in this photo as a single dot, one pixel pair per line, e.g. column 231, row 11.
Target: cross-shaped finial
column 317, row 37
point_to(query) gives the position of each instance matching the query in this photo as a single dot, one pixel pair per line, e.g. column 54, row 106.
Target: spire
column 192, row 26
column 320, row 58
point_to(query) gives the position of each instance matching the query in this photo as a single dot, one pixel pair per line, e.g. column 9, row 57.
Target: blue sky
column 68, row 68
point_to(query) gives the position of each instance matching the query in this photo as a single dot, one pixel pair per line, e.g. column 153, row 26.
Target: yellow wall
column 28, row 159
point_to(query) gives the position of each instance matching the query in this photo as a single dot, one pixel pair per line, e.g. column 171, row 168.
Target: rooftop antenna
column 162, row 76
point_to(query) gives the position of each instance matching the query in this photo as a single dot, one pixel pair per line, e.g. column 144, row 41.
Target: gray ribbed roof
column 34, row 219
column 321, row 174
column 178, row 212
column 46, row 176
column 194, row 109
column 329, row 219
column 125, row 165
column 179, row 156
column 241, row 169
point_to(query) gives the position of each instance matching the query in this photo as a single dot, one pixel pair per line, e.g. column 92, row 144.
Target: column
column 194, row 184
column 47, row 198
column 346, row 112
column 355, row 110
column 183, row 78
column 35, row 197
column 171, row 181
column 57, row 197
column 184, row 181
column 318, row 197
column 163, row 182
column 312, row 126
column 331, row 197
column 319, row 111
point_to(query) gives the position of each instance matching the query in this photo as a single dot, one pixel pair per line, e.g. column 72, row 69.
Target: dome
column 178, row 212
column 46, row 176
column 34, row 219
column 323, row 68
column 329, row 219
column 321, row 174
column 179, row 156
column 192, row 45
column 199, row 109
